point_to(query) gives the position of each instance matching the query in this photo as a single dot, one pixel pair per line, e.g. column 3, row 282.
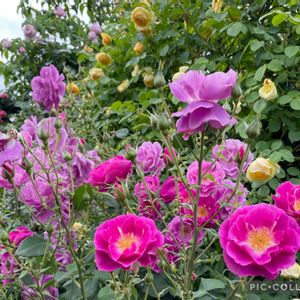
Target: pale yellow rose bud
column 138, row 48
column 184, row 69
column 261, row 170
column 292, row 272
column 72, row 88
column 149, row 79
column 87, row 49
column 103, row 58
column 268, row 91
column 136, row 71
column 177, row 75
column 123, row 86
column 79, row 228
column 96, row 73
column 216, row 5
column 106, row 39
column 142, row 17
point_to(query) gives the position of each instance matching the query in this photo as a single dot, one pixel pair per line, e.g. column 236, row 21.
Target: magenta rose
column 168, row 157
column 147, row 195
column 7, row 267
column 126, row 242
column 196, row 86
column 19, row 175
column 19, row 234
column 149, row 158
column 212, row 176
column 170, row 190
column 110, row 172
column 48, row 88
column 287, row 197
column 230, row 154
column 4, row 95
column 259, row 240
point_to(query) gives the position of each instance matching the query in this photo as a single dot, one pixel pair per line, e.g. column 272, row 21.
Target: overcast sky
column 10, row 23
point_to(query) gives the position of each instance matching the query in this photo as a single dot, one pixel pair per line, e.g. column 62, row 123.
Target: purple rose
column 59, row 11
column 22, row 50
column 95, row 27
column 196, row 115
column 49, row 291
column 48, row 88
column 170, row 190
column 230, row 154
column 29, row 32
column 149, row 158
column 7, row 266
column 92, row 36
column 195, row 86
column 5, row 43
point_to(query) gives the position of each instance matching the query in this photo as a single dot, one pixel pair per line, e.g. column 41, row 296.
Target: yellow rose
column 268, row 91
column 261, row 170
column 72, row 88
column 141, row 17
column 217, row 5
column 136, row 71
column 103, row 58
column 138, row 48
column 181, row 72
column 145, row 30
column 149, row 80
column 87, row 49
column 291, row 272
column 123, row 86
column 106, row 39
column 96, row 73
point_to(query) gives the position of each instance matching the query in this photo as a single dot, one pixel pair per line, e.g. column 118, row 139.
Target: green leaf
column 236, row 28
column 293, row 171
column 260, row 72
column 106, row 293
column 294, row 136
column 259, row 106
column 256, row 44
column 291, row 51
column 82, row 197
column 287, row 155
column 276, row 145
column 295, row 104
column 209, row 284
column 278, row 19
column 275, row 65
column 32, row 246
column 121, row 133
column 284, row 99
column 164, row 50
column 275, row 156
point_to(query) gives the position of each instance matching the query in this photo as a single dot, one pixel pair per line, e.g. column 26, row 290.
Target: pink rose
column 127, row 241
column 110, row 172
column 19, row 234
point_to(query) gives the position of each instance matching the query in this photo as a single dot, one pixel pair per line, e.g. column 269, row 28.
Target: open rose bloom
column 127, row 241
column 202, row 92
column 259, row 240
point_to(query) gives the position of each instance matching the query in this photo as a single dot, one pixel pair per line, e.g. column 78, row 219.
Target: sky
column 10, row 23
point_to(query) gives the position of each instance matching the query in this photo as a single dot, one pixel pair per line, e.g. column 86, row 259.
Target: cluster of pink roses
column 216, row 201
column 94, row 32
column 43, row 162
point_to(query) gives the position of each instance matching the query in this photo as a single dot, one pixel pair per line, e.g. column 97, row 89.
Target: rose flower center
column 297, row 205
column 126, row 241
column 260, row 239
column 202, row 211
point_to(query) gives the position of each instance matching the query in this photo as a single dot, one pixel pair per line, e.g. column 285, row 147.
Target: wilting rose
column 141, row 17
column 106, row 39
column 73, row 88
column 103, row 58
column 96, row 73
column 261, row 170
column 138, row 48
